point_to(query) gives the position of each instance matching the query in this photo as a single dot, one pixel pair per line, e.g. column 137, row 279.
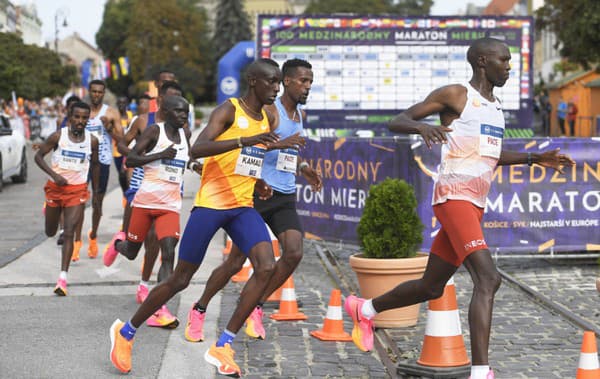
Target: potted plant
column 389, row 233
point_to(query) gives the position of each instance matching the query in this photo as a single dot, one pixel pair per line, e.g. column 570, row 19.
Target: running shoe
column 61, row 238
column 490, row 375
column 194, row 330
column 61, row 287
column 362, row 333
column 163, row 319
column 76, row 248
column 120, row 348
column 222, row 358
column 110, row 251
column 92, row 246
column 141, row 294
column 254, row 324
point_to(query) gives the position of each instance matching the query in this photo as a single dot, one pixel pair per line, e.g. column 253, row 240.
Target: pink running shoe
column 254, row 324
column 362, row 333
column 110, row 252
column 61, row 287
column 141, row 294
column 163, row 319
column 490, row 375
column 194, row 330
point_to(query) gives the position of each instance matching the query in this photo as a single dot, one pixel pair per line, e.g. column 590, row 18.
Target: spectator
column 561, row 114
column 571, row 117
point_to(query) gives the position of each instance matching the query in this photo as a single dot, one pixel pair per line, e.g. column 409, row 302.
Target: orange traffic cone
column 333, row 326
column 443, row 345
column 244, row 274
column 276, row 296
column 228, row 244
column 288, row 307
column 589, row 368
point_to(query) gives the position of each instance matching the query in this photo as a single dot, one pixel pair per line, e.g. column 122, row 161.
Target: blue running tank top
column 281, row 181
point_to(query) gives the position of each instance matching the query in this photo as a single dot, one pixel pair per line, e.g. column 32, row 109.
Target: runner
column 126, row 116
column 75, row 154
column 471, row 131
column 279, row 211
column 223, row 201
column 104, row 124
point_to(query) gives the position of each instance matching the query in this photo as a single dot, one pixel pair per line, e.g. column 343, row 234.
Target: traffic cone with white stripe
column 443, row 345
column 228, row 245
column 244, row 274
column 288, row 307
column 276, row 296
column 589, row 368
column 333, row 326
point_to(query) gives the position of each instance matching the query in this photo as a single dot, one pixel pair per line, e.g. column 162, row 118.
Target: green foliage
column 576, row 24
column 390, row 226
column 31, row 71
column 167, row 34
column 403, row 8
column 231, row 26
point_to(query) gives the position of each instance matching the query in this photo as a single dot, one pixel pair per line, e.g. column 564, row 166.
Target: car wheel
column 1, row 175
column 21, row 177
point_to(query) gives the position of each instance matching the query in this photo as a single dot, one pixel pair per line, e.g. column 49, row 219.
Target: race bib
column 95, row 130
column 72, row 160
column 490, row 141
column 249, row 162
column 287, row 160
column 171, row 170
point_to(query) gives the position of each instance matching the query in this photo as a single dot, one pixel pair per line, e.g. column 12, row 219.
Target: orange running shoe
column 120, row 348
column 92, row 246
column 222, row 358
column 76, row 248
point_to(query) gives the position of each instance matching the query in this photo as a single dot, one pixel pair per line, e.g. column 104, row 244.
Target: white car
column 13, row 159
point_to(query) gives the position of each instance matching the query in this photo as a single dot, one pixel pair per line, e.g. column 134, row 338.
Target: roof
column 499, row 7
column 593, row 83
column 568, row 79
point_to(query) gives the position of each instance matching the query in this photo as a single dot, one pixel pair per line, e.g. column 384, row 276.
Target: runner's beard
column 77, row 132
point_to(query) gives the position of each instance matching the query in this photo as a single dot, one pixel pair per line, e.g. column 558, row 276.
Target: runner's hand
column 313, row 178
column 263, row 189
column 295, row 141
column 263, row 138
column 434, row 134
column 553, row 159
column 60, row 180
column 169, row 152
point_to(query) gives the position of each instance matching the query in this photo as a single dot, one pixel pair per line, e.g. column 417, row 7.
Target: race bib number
column 72, row 160
column 287, row 160
column 171, row 170
column 490, row 141
column 95, row 130
column 249, row 162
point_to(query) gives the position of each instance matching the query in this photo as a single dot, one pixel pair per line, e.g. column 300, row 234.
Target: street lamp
column 60, row 14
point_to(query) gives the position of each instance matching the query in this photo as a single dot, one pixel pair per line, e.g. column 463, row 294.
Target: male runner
column 104, row 124
column 224, row 200
column 126, row 116
column 472, row 127
column 75, row 153
column 279, row 211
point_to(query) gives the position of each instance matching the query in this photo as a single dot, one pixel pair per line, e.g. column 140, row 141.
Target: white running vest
column 71, row 160
column 161, row 186
column 469, row 158
column 95, row 127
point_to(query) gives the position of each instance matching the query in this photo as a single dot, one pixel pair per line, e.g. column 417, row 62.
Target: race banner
column 529, row 209
column 367, row 69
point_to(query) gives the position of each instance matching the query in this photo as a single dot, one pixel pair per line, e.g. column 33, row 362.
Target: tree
column 576, row 24
column 31, row 71
column 231, row 26
column 167, row 34
column 403, row 7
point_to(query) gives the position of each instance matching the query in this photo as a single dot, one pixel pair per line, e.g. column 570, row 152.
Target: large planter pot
column 377, row 276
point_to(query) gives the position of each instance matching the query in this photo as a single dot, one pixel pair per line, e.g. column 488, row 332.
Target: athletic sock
column 63, row 275
column 226, row 337
column 128, row 331
column 144, row 283
column 479, row 372
column 367, row 309
column 260, row 305
column 199, row 308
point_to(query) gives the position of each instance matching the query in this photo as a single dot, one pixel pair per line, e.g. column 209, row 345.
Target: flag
column 106, row 69
column 86, row 72
column 115, row 72
column 124, row 64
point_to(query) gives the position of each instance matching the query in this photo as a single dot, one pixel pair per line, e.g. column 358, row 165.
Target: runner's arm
column 95, row 165
column 44, row 148
column 138, row 157
column 550, row 158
